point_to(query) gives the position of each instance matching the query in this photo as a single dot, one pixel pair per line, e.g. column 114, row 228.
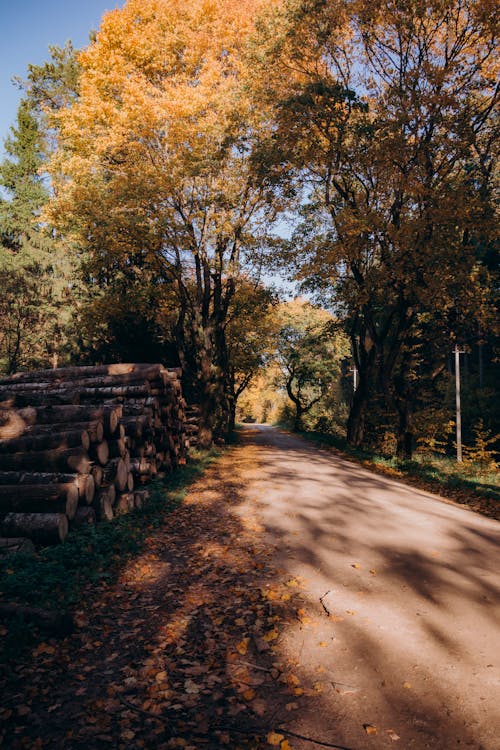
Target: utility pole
column 458, row 352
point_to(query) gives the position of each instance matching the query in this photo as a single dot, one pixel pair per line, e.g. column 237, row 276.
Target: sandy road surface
column 412, row 643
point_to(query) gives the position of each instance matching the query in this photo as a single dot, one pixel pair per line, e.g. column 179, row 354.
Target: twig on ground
column 311, row 739
column 321, row 598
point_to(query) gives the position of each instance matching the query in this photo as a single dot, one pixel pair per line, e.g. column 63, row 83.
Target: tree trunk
column 357, row 414
column 41, row 528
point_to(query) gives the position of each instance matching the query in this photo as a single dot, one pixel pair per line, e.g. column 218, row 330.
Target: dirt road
column 408, row 637
column 292, row 594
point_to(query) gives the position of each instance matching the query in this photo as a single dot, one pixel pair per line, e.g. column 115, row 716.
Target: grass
column 466, row 483
column 56, row 577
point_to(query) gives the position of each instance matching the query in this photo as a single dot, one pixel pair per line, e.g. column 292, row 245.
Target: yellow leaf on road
column 271, row 635
column 273, row 738
column 242, row 646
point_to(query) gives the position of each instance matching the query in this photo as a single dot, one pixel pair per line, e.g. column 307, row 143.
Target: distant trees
column 308, row 355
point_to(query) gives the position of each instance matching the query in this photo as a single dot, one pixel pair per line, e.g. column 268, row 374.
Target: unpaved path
column 412, row 643
column 214, row 636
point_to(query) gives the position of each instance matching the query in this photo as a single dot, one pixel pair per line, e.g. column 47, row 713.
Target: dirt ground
column 295, row 600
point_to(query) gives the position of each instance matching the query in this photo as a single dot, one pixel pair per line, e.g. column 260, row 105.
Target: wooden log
column 140, row 498
column 75, row 459
column 100, row 452
column 124, row 503
column 130, row 482
column 60, row 396
column 37, row 477
column 39, row 498
column 97, row 474
column 94, row 429
column 117, row 448
column 47, row 441
column 70, row 373
column 110, row 415
column 16, row 546
column 121, row 391
column 84, row 517
column 116, row 473
column 56, row 624
column 41, row 528
column 104, row 501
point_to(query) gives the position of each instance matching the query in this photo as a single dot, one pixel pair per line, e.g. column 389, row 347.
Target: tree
column 387, row 112
column 154, row 165
column 308, row 356
column 32, row 293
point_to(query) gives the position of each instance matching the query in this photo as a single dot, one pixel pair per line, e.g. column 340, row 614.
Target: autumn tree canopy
column 388, row 115
column 155, row 170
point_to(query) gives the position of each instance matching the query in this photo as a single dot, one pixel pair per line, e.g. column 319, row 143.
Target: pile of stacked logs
column 78, row 444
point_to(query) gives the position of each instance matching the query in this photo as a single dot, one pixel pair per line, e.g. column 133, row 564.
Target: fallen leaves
column 370, row 729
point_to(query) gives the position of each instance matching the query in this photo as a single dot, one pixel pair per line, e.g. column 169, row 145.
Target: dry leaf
column 285, row 745
column 242, row 646
column 273, row 738
column 292, row 706
column 370, row 729
column 355, row 565
column 271, row 635
column 407, row 685
column 392, row 734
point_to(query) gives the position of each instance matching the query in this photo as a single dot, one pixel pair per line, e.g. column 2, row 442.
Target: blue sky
column 27, row 28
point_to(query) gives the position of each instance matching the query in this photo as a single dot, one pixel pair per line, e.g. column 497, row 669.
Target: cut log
column 46, row 441
column 84, row 517
column 98, row 473
column 116, row 473
column 16, row 546
column 71, row 373
column 39, row 498
column 120, row 391
column 38, row 477
column 56, row 624
column 140, row 498
column 117, row 448
column 130, row 482
column 104, row 501
column 58, row 396
column 110, row 415
column 41, row 528
column 124, row 504
column 74, row 459
column 100, row 451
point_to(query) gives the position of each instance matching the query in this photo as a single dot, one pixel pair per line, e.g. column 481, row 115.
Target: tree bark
column 39, row 498
column 41, row 528
column 48, row 415
column 74, row 459
column 47, row 441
